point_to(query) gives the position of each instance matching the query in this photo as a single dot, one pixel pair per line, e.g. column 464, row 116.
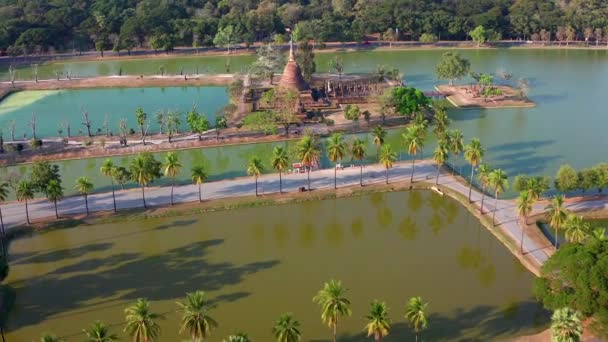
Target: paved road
column 506, row 216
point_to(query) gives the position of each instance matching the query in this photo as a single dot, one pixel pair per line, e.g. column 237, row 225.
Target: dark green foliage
column 41, row 174
column 409, row 100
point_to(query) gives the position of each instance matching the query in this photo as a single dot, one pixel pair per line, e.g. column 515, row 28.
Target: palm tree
column 50, row 338
column 255, row 169
column 280, row 162
column 556, row 213
column 378, row 135
column 107, row 169
column 141, row 322
column 473, row 153
column 440, row 155
column 577, row 230
column 357, row 151
column 441, row 122
column 98, row 332
column 483, row 176
column 336, row 149
column 84, row 187
column 195, row 316
column 238, row 337
column 308, row 153
column 378, row 324
column 524, row 208
column 199, row 176
column 387, row 158
column 287, row 329
column 566, row 326
column 141, row 173
column 413, row 139
column 172, row 168
column 54, row 193
column 333, row 304
column 456, row 145
column 498, row 181
column 3, row 196
column 25, row 192
column 416, row 315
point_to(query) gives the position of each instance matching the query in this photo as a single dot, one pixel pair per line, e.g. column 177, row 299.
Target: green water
column 54, row 108
column 258, row 263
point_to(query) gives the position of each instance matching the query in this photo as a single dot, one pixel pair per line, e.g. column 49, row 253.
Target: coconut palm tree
column 255, row 169
column 577, row 230
column 378, row 324
column 195, row 316
column 238, row 337
column 378, row 137
column 25, row 192
column 287, row 329
column 415, row 314
column 387, row 158
column 440, row 121
column 357, row 151
column 141, row 323
column 98, row 332
column 336, row 149
column 566, row 326
column 497, row 180
column 172, row 168
column 483, row 176
column 308, row 153
column 84, row 187
column 440, row 155
column 280, row 162
column 3, row 196
column 50, row 338
column 473, row 153
column 524, row 208
column 456, row 145
column 107, row 169
column 556, row 213
column 414, row 140
column 142, row 171
column 199, row 176
column 54, row 193
column 333, row 304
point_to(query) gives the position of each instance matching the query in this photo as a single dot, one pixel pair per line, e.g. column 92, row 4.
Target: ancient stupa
column 292, row 78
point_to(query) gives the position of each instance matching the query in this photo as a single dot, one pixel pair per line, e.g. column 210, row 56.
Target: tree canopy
column 452, row 67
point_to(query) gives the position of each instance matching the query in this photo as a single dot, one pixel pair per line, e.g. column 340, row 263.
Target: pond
column 54, row 109
column 258, row 263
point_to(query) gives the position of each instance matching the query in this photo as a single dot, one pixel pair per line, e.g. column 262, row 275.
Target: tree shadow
column 61, row 254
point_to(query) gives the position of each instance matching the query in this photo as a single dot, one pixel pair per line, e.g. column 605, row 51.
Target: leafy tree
column 428, row 38
column 195, row 316
column 408, row 100
column 99, row 332
column 557, row 214
column 379, row 324
column 121, row 175
column 387, row 158
column 54, row 193
column 84, row 187
column 199, row 176
column 337, row 64
column 25, row 192
column 42, row 173
column 497, row 180
column 566, row 325
column 479, row 35
column 415, row 314
column 226, row 37
column 331, row 298
column 141, row 322
column 306, row 60
column 308, row 153
column 287, row 329
column 280, row 162
column 452, row 67
column 357, row 151
column 336, row 150
column 255, row 169
column 587, row 179
column 172, row 167
column 473, row 153
column 566, row 179
column 108, row 169
column 269, row 60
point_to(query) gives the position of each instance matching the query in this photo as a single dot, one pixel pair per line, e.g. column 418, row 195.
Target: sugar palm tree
column 287, row 329
column 84, row 187
column 440, row 155
column 333, row 304
column 195, row 316
column 50, row 338
column 387, row 158
column 566, row 326
column 3, row 196
column 415, row 314
column 378, row 137
column 142, row 173
column 577, row 230
column 280, row 162
column 54, row 193
column 556, row 213
column 141, row 323
column 336, row 149
column 473, row 153
column 378, row 323
column 498, row 182
column 238, row 337
column 414, row 141
column 456, row 145
column 357, row 151
column 308, row 153
column 107, row 169
column 524, row 208
column 172, row 168
column 25, row 192
column 199, row 176
column 255, row 169
column 483, row 176
column 98, row 332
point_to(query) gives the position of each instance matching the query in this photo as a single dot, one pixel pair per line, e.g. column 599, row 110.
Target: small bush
column 428, row 38
column 88, row 142
column 329, row 122
column 352, row 112
column 19, row 147
column 35, row 144
column 131, row 131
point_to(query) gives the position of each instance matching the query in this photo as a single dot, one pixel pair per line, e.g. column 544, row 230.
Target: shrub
column 352, row 112
column 88, row 142
column 35, row 144
column 329, row 122
column 427, row 38
column 131, row 131
column 19, row 147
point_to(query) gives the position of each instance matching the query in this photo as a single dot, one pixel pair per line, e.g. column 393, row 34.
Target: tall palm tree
column 473, row 153
column 483, row 176
column 357, row 151
column 440, row 155
column 287, row 329
column 378, row 323
column 524, row 208
column 50, row 338
column 195, row 316
column 415, row 314
column 141, row 323
column 577, row 230
column 456, row 145
column 414, row 140
column 255, row 169
column 25, row 192
column 308, row 153
column 54, row 193
column 498, row 181
column 378, row 136
column 566, row 325
column 84, row 187
column 199, row 176
column 238, row 337
column 172, row 168
column 556, row 213
column 98, row 332
column 387, row 158
column 333, row 304
column 336, row 149
column 107, row 169
column 280, row 162
column 3, row 196
column 441, row 122
column 142, row 173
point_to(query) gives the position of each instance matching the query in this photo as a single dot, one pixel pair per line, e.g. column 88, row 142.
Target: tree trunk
column 86, row 203
column 471, row 182
column 521, row 246
column 437, row 176
column 1, row 222
column 280, row 182
column 143, row 196
column 335, row 330
column 113, row 195
column 256, row 186
column 27, row 213
column 555, row 237
column 172, row 193
column 335, row 177
column 387, row 175
column 361, row 179
column 56, row 211
column 495, row 208
column 412, row 176
column 200, row 198
column 483, row 197
column 308, row 175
